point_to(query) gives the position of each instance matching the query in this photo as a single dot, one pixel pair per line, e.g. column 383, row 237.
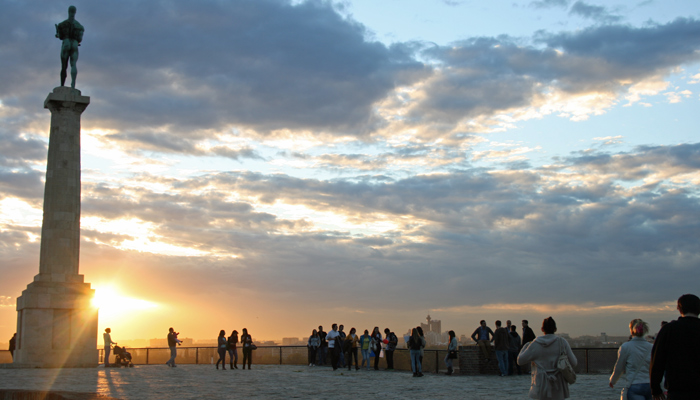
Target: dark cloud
column 184, row 68
column 482, row 76
column 597, row 13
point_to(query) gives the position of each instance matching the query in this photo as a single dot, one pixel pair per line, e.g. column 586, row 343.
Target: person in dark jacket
column 513, row 351
column 247, row 343
column 676, row 354
column 414, row 344
column 528, row 336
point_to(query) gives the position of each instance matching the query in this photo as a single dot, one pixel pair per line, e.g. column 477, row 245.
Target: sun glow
column 112, row 304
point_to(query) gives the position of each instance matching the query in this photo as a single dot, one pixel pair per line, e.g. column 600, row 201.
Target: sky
column 279, row 165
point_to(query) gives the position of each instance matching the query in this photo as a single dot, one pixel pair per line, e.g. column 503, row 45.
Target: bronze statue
column 71, row 33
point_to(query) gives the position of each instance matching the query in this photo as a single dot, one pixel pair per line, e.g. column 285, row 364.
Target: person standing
column 543, row 356
column 365, row 341
column 528, row 336
column 221, row 347
column 451, row 352
column 233, row 350
column 376, row 346
column 313, row 344
column 13, row 343
column 391, row 342
column 341, row 352
column 483, row 336
column 414, row 345
column 247, row 343
column 173, row 342
column 423, row 343
column 323, row 348
column 333, row 346
column 501, row 340
column 107, row 338
column 351, row 343
column 633, row 360
column 513, row 351
column 676, row 353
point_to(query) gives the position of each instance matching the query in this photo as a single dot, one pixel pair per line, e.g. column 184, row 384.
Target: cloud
column 597, row 13
column 549, row 3
column 578, row 74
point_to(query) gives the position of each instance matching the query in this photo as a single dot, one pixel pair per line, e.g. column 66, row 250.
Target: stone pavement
column 283, row 382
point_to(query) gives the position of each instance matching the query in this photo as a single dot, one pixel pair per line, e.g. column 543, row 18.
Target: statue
column 71, row 33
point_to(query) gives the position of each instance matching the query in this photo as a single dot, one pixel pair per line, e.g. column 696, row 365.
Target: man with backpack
column 391, row 342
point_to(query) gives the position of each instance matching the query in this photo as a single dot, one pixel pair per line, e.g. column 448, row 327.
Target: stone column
column 56, row 322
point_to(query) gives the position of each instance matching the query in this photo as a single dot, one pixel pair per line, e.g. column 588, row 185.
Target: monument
column 56, row 322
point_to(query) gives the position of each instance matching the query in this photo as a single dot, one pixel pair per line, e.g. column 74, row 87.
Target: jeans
column 222, row 357
column 322, row 351
column 108, row 350
column 415, row 361
column 639, row 391
column 312, row 354
column 389, row 359
column 233, row 355
column 448, row 360
column 173, row 354
column 341, row 358
column 502, row 356
column 365, row 358
column 351, row 353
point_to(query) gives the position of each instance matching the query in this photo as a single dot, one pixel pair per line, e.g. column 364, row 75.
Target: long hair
column 415, row 336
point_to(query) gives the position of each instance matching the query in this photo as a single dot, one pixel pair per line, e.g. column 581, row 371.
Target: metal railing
column 590, row 360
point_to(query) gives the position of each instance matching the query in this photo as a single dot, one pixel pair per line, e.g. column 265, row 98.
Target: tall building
column 433, row 325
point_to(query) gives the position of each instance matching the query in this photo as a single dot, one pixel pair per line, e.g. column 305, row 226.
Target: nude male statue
column 71, row 33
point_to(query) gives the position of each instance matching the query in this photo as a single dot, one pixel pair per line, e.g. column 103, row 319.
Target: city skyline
column 280, row 164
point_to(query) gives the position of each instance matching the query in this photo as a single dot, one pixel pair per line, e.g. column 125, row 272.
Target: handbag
column 452, row 354
column 564, row 366
column 253, row 347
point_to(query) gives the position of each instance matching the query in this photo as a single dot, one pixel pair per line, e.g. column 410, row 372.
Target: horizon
column 278, row 163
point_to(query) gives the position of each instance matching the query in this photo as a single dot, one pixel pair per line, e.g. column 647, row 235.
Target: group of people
column 229, row 345
column 343, row 348
column 506, row 342
column 671, row 363
column 667, row 370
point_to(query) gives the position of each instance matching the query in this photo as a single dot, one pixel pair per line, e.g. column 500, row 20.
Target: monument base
column 56, row 324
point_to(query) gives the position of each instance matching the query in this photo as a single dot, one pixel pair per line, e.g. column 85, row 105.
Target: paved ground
column 283, row 382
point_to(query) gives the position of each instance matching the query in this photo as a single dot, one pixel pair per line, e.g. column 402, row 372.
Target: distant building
column 291, row 341
column 433, row 325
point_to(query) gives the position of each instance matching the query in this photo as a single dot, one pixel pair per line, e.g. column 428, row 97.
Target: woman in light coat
column 633, row 359
column 547, row 382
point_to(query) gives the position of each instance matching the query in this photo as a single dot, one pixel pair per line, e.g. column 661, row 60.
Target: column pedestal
column 56, row 322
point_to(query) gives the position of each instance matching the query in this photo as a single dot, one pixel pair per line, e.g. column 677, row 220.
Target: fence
column 590, row 360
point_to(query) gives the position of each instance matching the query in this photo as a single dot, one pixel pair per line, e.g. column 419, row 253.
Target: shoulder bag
column 564, row 366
